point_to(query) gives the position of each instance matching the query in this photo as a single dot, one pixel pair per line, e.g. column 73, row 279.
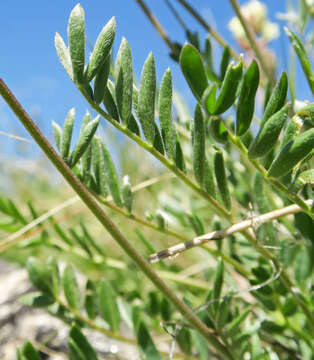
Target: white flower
column 255, row 12
column 236, row 28
column 270, row 31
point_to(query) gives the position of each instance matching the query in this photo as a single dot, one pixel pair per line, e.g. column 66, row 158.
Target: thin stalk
column 283, row 189
column 252, row 40
column 207, row 27
column 152, row 18
column 94, row 207
column 176, row 15
column 220, row 234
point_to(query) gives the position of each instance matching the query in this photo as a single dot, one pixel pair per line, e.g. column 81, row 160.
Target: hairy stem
column 92, row 204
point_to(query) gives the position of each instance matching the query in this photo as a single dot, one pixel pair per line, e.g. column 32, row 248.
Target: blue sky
column 30, row 67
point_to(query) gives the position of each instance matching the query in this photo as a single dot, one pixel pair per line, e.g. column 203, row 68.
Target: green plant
column 205, row 315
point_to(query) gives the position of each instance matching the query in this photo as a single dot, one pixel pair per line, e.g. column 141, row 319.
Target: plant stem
column 251, row 37
column 161, row 31
column 176, row 15
column 220, row 234
column 207, row 27
column 92, row 204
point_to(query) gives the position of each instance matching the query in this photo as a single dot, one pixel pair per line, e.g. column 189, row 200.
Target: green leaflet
column 292, row 153
column 70, row 287
column 145, row 342
column 245, row 107
column 146, row 99
column 236, row 322
column 57, row 134
column 303, row 57
column 75, row 352
column 124, row 81
column 277, row 98
column 265, row 232
column 98, row 164
column 87, row 155
column 196, row 224
column 127, row 195
column 36, row 300
column 90, row 300
column 209, row 181
column 109, row 101
column 193, row 38
column 101, row 50
column 193, row 69
column 40, row 275
column 67, row 134
column 221, row 178
column 165, row 104
column 268, row 134
column 199, row 145
column 229, row 87
column 108, row 305
column 306, row 177
column 291, row 130
column 110, row 175
column 64, row 55
column 133, row 125
column 76, row 38
column 158, row 143
column 84, row 141
column 179, row 157
column 208, row 57
column 100, row 81
column 29, row 352
column 81, row 341
column 209, row 99
column 225, row 59
column 218, row 130
column 135, row 98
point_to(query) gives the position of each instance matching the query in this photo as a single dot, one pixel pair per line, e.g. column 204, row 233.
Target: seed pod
column 101, row 49
column 111, row 175
column 228, row 90
column 268, row 134
column 225, row 59
column 218, row 130
column 109, row 102
column 67, row 134
column 127, row 195
column 100, row 81
column 221, row 178
column 64, row 55
column 193, row 69
column 76, row 37
column 277, row 98
column 57, row 134
column 199, row 145
column 209, row 181
column 209, row 99
column 303, row 57
column 165, row 104
column 123, row 73
column 84, row 140
column 292, row 154
column 245, row 108
column 146, row 99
